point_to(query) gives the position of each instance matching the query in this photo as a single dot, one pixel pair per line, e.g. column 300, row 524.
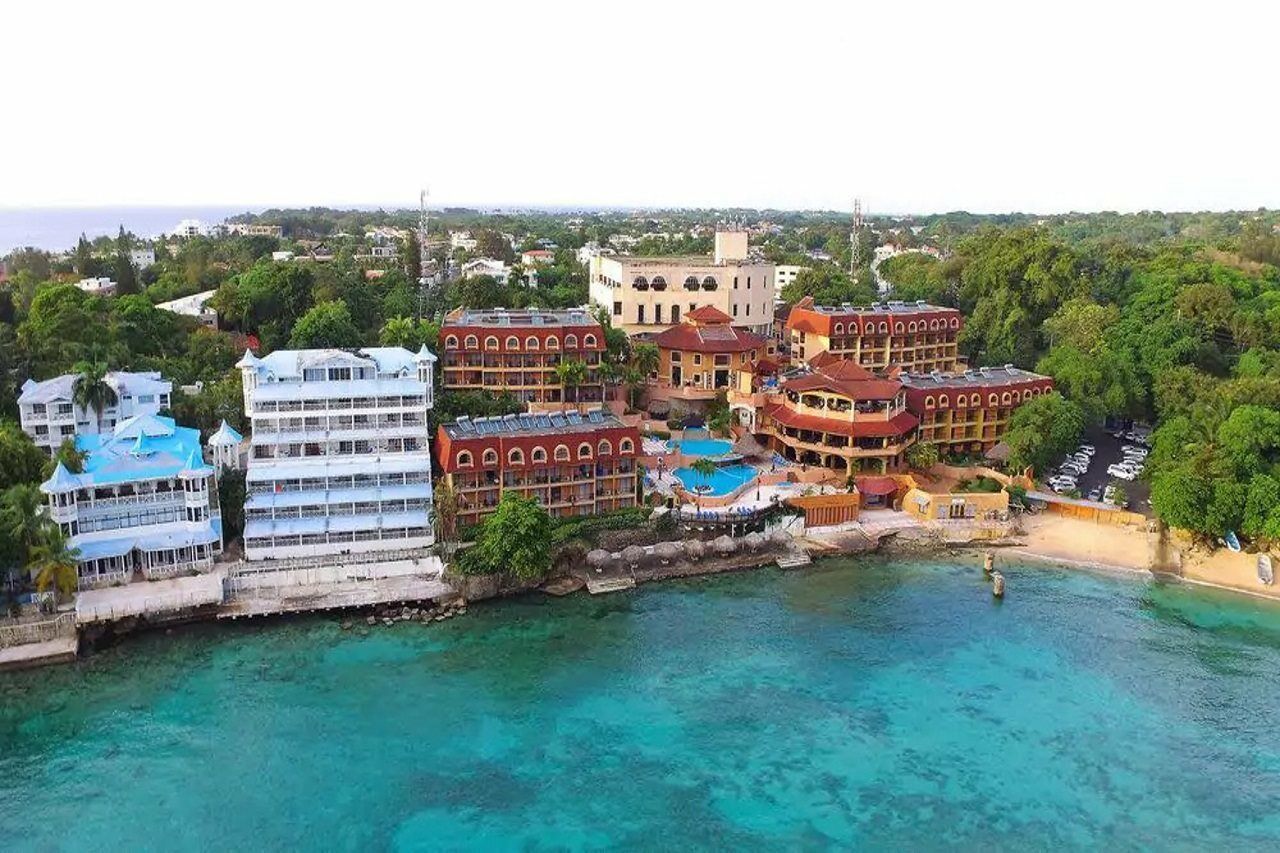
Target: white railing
column 63, row 625
column 144, row 606
column 104, row 579
column 173, row 569
column 243, row 567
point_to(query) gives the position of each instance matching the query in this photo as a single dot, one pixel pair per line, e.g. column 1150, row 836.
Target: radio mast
column 855, row 243
column 424, row 220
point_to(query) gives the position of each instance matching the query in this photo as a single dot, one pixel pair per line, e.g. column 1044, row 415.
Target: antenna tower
column 424, row 219
column 855, row 243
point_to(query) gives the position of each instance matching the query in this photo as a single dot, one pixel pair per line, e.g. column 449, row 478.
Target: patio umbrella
column 668, row 551
column 598, row 558
column 754, row 541
column 724, row 545
column 632, row 555
column 695, row 549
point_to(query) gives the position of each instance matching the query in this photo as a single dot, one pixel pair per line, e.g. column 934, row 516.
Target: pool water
column 697, row 442
column 722, row 482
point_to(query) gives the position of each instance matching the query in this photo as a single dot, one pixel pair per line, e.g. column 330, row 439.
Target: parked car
column 1060, row 481
column 1087, row 448
column 1095, row 494
column 1123, row 473
column 1133, row 448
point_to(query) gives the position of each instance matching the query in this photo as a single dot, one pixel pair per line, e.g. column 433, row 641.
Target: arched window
column 584, row 451
column 626, row 446
column 955, row 323
column 451, row 342
column 490, row 457
column 539, row 454
column 553, row 342
column 471, row 342
column 659, row 283
column 929, row 402
column 491, row 342
column 943, row 402
column 884, row 327
column 570, row 341
column 604, row 448
column 975, row 400
column 912, row 327
column 530, row 343
column 562, row 453
column 839, row 328
column 464, row 458
column 691, row 283
column 515, row 456
column 640, row 283
column 513, row 343
column 709, row 283
column 933, row 325
column 1005, row 398
column 1017, row 396
column 589, row 341
column 897, row 327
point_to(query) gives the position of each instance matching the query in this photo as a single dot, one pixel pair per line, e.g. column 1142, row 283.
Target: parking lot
column 1138, row 491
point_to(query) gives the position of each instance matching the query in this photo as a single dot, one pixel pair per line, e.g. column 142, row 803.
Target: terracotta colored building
column 914, row 336
column 572, row 463
column 517, row 351
column 698, row 357
column 970, row 411
column 838, row 416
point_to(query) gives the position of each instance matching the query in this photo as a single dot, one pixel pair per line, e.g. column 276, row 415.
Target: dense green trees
column 328, row 324
column 514, row 541
column 1042, row 431
column 828, row 285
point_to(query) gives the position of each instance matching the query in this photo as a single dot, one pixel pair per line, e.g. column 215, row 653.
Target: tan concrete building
column 650, row 294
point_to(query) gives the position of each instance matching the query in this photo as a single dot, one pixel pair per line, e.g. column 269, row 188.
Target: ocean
column 887, row 704
column 58, row 228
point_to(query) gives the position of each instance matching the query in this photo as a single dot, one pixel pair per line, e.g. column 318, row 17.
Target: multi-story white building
column 48, row 414
column 784, row 274
column 486, row 266
column 146, row 504
column 142, row 258
column 196, row 305
column 101, row 286
column 651, row 294
column 339, row 460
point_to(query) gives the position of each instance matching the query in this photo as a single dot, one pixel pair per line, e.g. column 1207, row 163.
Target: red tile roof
column 876, row 486
column 709, row 339
column 899, row 424
column 845, row 377
column 708, row 314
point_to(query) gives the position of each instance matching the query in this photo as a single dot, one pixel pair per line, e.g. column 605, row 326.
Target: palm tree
column 91, row 390
column 571, row 374
column 446, row 508
column 644, row 357
column 53, row 562
column 706, row 469
column 22, row 516
column 398, row 332
column 609, row 373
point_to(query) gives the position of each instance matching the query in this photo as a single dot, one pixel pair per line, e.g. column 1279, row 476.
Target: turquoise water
column 722, row 482
column 891, row 705
column 700, row 446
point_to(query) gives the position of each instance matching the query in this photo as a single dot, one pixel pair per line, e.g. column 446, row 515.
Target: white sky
column 915, row 107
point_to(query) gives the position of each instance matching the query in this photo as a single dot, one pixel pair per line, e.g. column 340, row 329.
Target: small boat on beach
column 1231, row 541
column 1264, row 569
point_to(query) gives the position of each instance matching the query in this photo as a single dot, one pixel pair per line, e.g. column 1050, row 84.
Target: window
column 943, row 401
column 451, row 342
column 640, row 283
column 839, row 328
column 513, row 343
column 589, row 341
column 675, row 356
column 735, row 309
column 657, row 313
column 553, row 342
column 659, row 283
column 530, row 343
column 929, row 402
column 617, row 309
column 691, row 283
column 584, row 451
column 570, row 341
column 464, row 458
column 490, row 457
column 955, row 323
column 515, row 456
column 884, row 327
column 471, row 342
column 639, row 313
column 539, row 454
column 748, row 309
column 604, row 448
column 735, row 282
column 897, row 327
column 748, row 282
column 491, row 342
column 626, row 446
column 697, row 359
column 562, row 453
column 709, row 283
column 675, row 313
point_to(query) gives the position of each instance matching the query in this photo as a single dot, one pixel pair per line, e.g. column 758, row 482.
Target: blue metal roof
column 144, row 447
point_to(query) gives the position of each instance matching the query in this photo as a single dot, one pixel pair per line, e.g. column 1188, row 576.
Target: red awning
column 876, row 486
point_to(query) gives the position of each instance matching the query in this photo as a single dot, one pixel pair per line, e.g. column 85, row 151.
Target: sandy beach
column 1070, row 541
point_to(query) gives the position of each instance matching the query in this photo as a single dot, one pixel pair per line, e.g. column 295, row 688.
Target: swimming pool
column 698, row 443
column 724, row 481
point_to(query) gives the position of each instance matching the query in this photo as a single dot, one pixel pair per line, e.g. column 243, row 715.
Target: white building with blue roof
column 49, row 415
column 339, row 461
column 145, row 505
